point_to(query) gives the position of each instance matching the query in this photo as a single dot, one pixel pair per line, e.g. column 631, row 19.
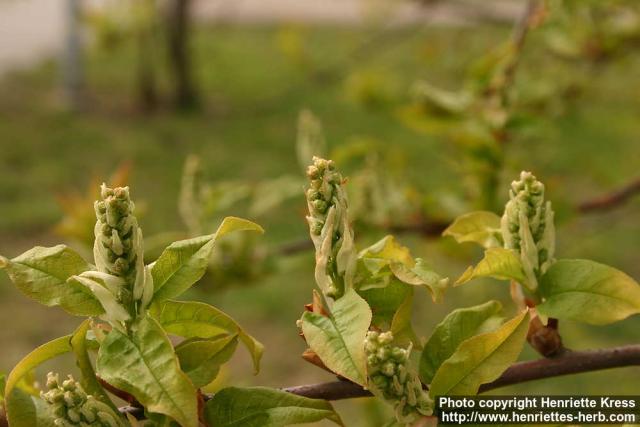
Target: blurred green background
column 252, row 80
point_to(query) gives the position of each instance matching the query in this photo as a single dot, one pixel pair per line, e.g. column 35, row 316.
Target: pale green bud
column 71, row 406
column 528, row 228
column 390, row 374
column 115, row 223
column 118, row 248
column 329, row 227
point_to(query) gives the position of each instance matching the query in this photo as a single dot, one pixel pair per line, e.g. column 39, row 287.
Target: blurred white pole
column 72, row 66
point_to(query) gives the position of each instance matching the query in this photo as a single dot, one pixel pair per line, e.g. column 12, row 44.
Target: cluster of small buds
column 388, row 371
column 118, row 246
column 325, row 182
column 329, row 227
column 70, row 405
column 527, row 226
column 116, row 231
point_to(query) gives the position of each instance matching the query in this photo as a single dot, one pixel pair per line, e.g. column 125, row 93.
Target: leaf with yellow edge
column 480, row 359
column 481, row 227
column 499, row 263
column 184, row 262
column 190, row 319
column 339, row 340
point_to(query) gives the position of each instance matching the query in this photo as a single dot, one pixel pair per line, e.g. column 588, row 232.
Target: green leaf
column 36, row 358
column 385, row 301
column 339, row 340
column 384, row 252
column 480, row 359
column 586, row 291
column 481, row 227
column 24, row 410
column 458, row 326
column 265, row 407
column 201, row 359
column 421, row 275
column 184, row 262
column 80, row 349
column 401, row 327
column 41, row 273
column 113, row 310
column 196, row 319
column 180, row 266
column 145, row 366
column 385, row 260
column 499, row 263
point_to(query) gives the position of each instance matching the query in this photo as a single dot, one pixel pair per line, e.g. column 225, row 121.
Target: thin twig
column 611, row 200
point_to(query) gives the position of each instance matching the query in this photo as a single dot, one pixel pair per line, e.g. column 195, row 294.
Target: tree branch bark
column 611, row 200
column 568, row 362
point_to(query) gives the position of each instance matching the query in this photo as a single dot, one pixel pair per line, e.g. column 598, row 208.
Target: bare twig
column 568, row 362
column 611, row 200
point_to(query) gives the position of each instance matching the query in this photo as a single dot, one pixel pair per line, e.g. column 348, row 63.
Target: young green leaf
column 191, row 319
column 90, row 383
column 499, row 263
column 180, row 265
column 401, row 327
column 41, row 273
column 201, row 359
column 386, row 259
column 481, row 227
column 265, row 407
column 184, row 262
column 339, row 340
column 152, row 373
column 36, row 358
column 458, row 326
column 24, row 410
column 586, row 291
column 421, row 275
column 480, row 359
column 385, row 301
column 113, row 310
column 387, row 250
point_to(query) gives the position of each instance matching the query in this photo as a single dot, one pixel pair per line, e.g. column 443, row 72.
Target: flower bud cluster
column 116, row 231
column 118, row 247
column 70, row 405
column 388, row 371
column 527, row 226
column 329, row 227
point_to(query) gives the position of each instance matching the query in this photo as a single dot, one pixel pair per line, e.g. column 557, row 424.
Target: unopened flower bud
column 389, row 372
column 330, row 229
column 527, row 227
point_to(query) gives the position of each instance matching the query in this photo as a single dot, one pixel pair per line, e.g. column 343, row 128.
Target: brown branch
column 568, row 362
column 611, row 200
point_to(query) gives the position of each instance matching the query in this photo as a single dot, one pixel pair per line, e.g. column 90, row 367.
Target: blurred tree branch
column 611, row 200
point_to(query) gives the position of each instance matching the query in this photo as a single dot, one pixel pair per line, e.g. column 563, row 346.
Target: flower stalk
column 329, row 227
